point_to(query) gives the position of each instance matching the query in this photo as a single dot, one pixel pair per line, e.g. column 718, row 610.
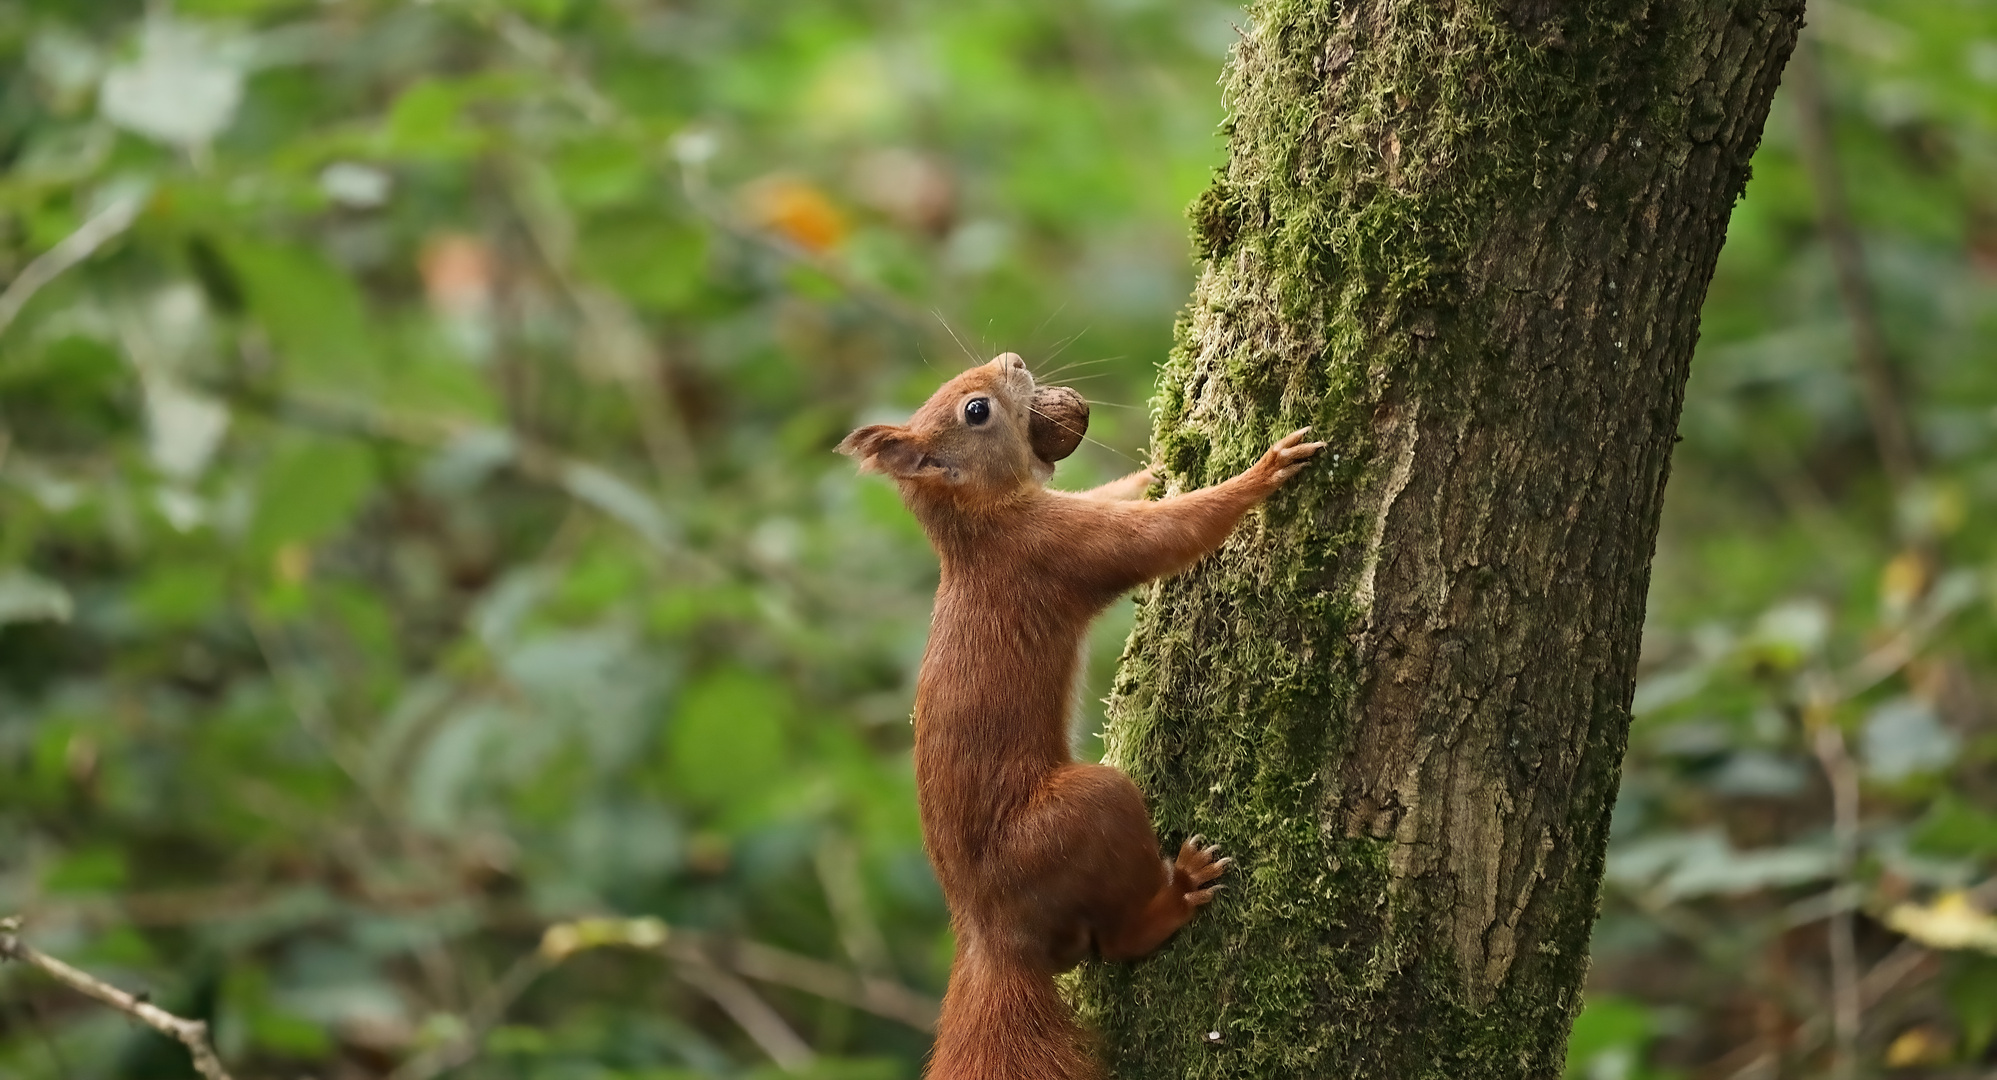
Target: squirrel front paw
column 1287, row 457
column 1195, row 868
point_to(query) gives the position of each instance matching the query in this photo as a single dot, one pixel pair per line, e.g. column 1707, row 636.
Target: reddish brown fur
column 1042, row 859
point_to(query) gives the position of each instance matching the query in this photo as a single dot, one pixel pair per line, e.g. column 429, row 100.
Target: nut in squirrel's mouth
column 1060, row 417
column 1060, row 421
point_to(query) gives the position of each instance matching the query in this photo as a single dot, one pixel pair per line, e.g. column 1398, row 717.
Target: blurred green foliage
column 418, row 527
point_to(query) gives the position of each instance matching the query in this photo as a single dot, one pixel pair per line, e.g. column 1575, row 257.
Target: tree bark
column 1467, row 242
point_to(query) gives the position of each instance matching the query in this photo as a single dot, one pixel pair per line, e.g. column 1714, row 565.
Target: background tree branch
column 192, row 1034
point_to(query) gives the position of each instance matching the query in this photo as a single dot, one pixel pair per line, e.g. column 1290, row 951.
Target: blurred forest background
column 435, row 633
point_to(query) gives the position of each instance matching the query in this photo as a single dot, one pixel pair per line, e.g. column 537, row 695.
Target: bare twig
column 838, row 865
column 712, row 971
column 67, row 252
column 1909, row 960
column 882, row 997
column 547, row 52
column 1757, row 1057
column 599, row 109
column 751, row 1013
column 192, row 1033
column 314, row 714
column 1836, row 542
column 1847, row 1001
column 606, row 321
column 766, row 963
column 1714, row 942
column 490, row 1010
column 1891, row 432
column 581, row 479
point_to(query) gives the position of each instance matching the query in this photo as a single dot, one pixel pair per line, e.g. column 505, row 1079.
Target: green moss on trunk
column 1467, row 243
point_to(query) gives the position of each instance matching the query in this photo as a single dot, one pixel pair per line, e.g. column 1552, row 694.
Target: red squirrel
column 1043, row 859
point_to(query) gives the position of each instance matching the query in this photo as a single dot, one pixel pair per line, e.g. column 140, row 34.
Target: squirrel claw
column 1203, row 897
column 1211, row 871
column 1198, row 863
column 1286, row 458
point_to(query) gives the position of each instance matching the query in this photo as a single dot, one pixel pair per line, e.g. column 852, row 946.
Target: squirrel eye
column 977, row 411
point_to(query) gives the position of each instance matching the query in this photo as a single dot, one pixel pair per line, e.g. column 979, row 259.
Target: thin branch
column 1885, row 661
column 1847, row 999
column 767, row 963
column 192, row 1034
column 711, row 971
column 838, row 865
column 1909, row 961
column 604, row 317
column 546, row 51
column 578, row 478
column 67, row 252
column 597, row 107
column 490, row 1010
column 48, row 1041
column 763, row 1024
column 1714, row 942
column 882, row 301
column 308, row 706
column 1891, row 432
column 1753, row 1058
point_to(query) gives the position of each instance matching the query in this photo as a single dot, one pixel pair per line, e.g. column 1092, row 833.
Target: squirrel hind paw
column 1203, row 897
column 1197, row 865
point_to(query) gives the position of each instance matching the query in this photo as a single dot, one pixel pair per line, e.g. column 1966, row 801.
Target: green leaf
column 180, row 594
column 308, row 493
column 121, row 945
column 1607, row 1025
column 515, row 1039
column 428, row 122
column 655, row 261
column 603, row 578
column 597, row 173
column 1953, row 827
column 312, row 310
column 74, row 375
column 726, row 743
column 90, row 869
column 1972, row 995
column 290, row 1035
column 618, row 498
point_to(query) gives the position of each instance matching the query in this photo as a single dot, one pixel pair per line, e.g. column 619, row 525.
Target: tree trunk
column 1467, row 242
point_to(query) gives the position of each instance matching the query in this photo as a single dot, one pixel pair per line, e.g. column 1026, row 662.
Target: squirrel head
column 986, row 433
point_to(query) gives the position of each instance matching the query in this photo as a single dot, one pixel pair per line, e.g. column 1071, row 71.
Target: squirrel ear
column 884, row 448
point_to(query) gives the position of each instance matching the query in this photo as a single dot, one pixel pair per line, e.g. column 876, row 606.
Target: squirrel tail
column 1003, row 1020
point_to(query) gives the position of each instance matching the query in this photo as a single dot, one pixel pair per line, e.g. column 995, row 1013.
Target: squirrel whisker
column 952, row 331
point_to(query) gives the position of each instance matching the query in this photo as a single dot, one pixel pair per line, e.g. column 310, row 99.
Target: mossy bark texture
column 1466, row 241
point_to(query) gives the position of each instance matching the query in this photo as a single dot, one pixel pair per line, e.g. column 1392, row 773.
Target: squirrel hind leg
column 1188, row 886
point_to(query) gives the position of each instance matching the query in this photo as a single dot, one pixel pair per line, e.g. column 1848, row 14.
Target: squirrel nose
column 1008, row 360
